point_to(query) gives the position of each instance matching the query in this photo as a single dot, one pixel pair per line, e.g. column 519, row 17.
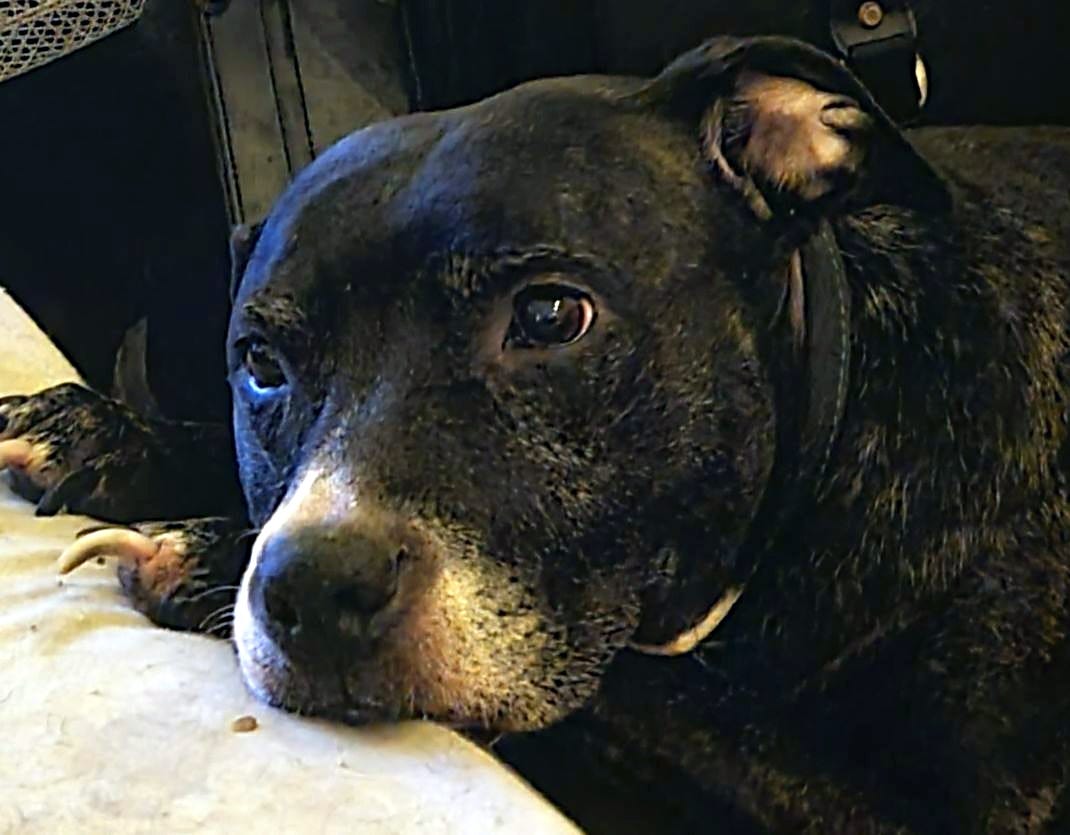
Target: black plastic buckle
column 879, row 41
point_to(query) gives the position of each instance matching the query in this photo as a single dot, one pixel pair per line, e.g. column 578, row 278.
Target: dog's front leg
column 183, row 575
column 68, row 448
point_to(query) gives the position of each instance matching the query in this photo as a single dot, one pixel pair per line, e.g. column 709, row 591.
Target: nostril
column 363, row 600
column 374, row 589
column 352, row 599
column 279, row 609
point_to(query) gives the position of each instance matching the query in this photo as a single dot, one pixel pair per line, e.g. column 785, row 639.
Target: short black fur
column 897, row 661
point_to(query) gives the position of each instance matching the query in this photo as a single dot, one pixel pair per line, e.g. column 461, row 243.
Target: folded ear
column 782, row 140
column 243, row 240
column 789, row 127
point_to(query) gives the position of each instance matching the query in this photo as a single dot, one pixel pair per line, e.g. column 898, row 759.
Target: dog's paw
column 183, row 575
column 69, row 448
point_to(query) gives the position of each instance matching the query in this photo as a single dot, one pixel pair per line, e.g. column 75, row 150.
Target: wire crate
column 35, row 32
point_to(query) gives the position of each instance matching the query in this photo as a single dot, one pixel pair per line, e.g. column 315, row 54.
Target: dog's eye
column 264, row 370
column 549, row 315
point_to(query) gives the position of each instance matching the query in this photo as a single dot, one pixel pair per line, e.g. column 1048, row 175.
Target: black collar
column 828, row 351
column 812, row 383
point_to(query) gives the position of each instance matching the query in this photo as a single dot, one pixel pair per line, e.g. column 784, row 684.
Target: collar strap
column 823, row 367
column 828, row 364
column 878, row 39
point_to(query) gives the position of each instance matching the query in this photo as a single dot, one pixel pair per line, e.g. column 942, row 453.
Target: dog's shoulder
column 1019, row 175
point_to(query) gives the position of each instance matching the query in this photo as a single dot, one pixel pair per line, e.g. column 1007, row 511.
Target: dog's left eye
column 264, row 370
column 549, row 315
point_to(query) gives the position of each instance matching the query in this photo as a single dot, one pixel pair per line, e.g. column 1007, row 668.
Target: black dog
column 706, row 417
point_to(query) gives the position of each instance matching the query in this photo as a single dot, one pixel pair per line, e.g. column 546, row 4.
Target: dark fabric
column 112, row 208
column 465, row 50
column 113, row 204
column 993, row 61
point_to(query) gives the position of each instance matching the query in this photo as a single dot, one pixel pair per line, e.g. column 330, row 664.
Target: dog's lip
column 364, row 712
column 485, row 738
column 369, row 713
column 354, row 712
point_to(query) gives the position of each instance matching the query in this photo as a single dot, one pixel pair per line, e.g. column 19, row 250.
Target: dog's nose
column 318, row 590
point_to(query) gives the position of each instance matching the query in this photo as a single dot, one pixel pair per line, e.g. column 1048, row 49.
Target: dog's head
column 504, row 378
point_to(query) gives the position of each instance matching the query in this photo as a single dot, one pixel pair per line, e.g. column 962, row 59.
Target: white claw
column 111, row 542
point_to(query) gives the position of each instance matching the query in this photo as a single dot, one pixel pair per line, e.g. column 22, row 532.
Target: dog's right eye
column 549, row 316
column 265, row 372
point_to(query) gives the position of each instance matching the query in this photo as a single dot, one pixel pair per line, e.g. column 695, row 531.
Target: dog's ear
column 790, row 128
column 798, row 138
column 243, row 240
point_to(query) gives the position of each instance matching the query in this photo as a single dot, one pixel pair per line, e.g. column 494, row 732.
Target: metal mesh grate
column 34, row 32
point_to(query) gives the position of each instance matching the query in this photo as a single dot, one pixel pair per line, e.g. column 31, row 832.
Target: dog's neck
column 945, row 441
column 816, row 310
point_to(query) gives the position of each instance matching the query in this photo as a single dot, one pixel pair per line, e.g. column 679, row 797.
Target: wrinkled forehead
column 565, row 164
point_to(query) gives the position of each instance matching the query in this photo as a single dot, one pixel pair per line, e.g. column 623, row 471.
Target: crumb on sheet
column 244, row 724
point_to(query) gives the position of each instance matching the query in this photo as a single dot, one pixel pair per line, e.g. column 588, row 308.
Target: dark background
column 113, row 207
column 111, row 201
column 990, row 60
